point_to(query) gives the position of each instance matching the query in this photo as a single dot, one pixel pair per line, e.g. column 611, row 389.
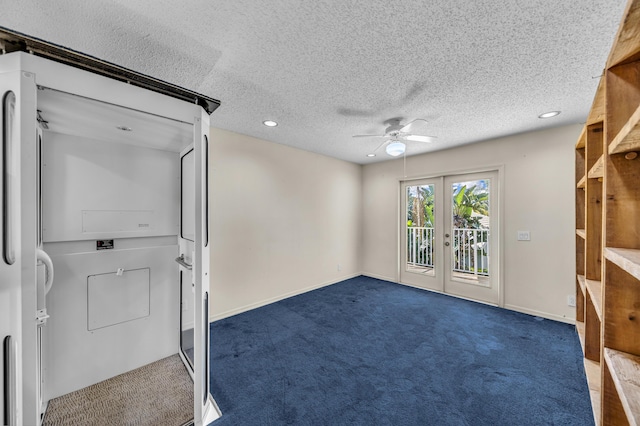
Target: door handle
column 446, row 243
column 183, row 263
column 446, row 235
column 43, row 257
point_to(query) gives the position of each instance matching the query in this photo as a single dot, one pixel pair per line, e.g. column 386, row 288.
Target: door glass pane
column 188, row 194
column 470, row 231
column 186, row 317
column 420, row 229
column 9, row 176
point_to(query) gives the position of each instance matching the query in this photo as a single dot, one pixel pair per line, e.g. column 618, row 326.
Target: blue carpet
column 370, row 352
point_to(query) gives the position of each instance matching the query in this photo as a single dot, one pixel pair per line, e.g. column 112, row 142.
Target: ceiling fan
column 395, row 133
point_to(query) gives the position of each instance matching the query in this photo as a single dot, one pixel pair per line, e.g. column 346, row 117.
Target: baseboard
column 261, row 303
column 378, row 277
column 256, row 305
column 541, row 314
column 509, row 307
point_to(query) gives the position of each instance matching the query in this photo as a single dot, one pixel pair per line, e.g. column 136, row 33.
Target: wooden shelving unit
column 628, row 139
column 597, row 171
column 607, row 192
column 624, row 369
column 582, row 182
column 627, row 259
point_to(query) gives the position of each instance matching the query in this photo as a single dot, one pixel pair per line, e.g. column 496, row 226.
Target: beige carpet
column 160, row 393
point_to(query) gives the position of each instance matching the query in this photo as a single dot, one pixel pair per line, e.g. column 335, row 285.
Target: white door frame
column 500, row 228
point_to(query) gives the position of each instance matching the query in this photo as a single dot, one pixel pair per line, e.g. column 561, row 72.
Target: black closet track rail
column 13, row 41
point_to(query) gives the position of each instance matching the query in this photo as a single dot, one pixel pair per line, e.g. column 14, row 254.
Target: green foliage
column 466, row 201
column 420, row 206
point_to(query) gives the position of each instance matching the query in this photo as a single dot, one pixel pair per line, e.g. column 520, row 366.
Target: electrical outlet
column 339, row 267
column 524, row 236
column 571, row 300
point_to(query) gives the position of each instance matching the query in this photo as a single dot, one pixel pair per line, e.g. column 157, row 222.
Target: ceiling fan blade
column 420, row 138
column 369, row 136
column 379, row 146
column 402, row 129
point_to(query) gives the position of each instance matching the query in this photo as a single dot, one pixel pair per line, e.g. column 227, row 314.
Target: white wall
column 538, row 184
column 282, row 219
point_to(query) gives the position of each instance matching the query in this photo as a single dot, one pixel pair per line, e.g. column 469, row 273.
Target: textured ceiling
column 329, row 69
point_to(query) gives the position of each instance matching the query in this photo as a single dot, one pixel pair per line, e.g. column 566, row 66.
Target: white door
column 421, row 232
column 193, row 267
column 471, row 230
column 10, row 262
column 449, row 235
column 18, row 394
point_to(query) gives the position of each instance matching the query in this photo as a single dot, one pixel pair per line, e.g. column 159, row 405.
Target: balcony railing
column 420, row 246
column 470, row 249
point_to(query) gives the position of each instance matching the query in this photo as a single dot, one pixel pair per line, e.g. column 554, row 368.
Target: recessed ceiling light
column 270, row 123
column 124, row 128
column 549, row 114
column 371, row 155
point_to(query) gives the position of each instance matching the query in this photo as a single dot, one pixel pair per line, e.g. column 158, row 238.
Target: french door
column 449, row 235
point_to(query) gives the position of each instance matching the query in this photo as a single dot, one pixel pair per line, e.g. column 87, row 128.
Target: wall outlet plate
column 524, row 236
column 571, row 300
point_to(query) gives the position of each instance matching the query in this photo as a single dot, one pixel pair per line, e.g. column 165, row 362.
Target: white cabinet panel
column 95, row 190
column 114, row 299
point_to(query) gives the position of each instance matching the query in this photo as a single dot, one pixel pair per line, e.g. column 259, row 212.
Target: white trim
column 541, row 314
column 455, row 296
column 379, row 277
column 497, row 167
column 508, row 307
column 236, row 311
column 514, row 308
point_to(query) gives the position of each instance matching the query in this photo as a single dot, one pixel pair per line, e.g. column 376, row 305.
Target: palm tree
column 420, row 206
column 420, row 203
column 467, row 201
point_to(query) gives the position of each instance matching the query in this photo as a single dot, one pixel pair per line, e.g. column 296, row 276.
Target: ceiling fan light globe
column 395, row 148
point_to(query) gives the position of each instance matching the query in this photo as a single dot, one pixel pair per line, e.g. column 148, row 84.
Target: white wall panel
column 283, row 221
column 96, row 190
column 78, row 356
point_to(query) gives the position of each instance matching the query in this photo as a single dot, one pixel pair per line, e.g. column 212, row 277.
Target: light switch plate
column 524, row 236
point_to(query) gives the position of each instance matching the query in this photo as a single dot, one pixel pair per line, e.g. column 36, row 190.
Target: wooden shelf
column 628, row 138
column 583, row 285
column 597, row 112
column 582, row 139
column 581, row 233
column 626, row 44
column 626, row 259
column 597, row 171
column 595, row 291
column 582, row 182
column 625, row 372
column 580, row 330
column 592, row 371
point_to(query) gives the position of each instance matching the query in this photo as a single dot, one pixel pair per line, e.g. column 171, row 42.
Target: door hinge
column 41, row 316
